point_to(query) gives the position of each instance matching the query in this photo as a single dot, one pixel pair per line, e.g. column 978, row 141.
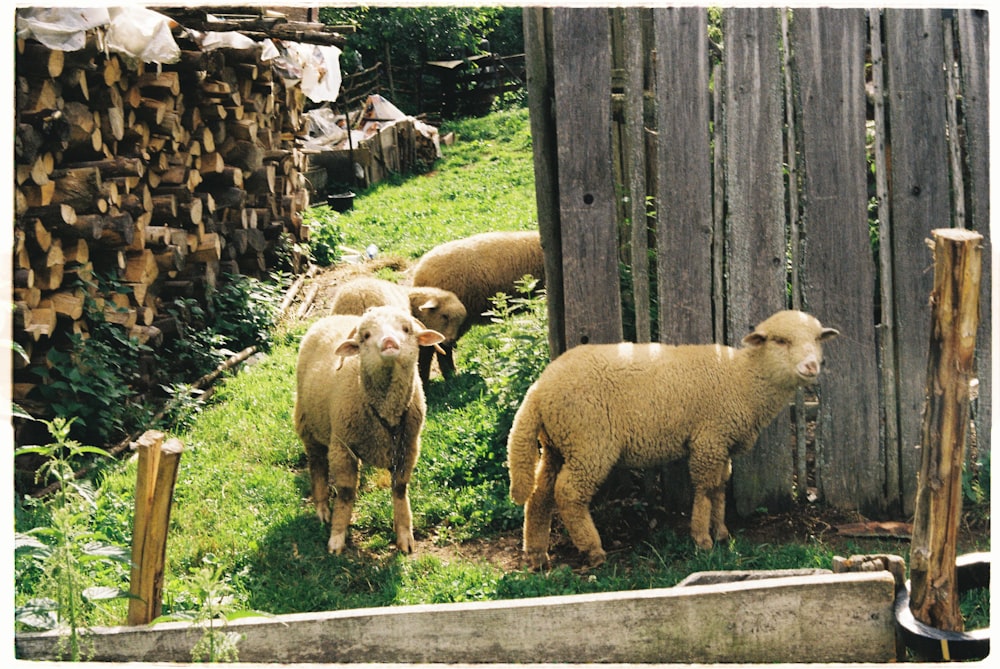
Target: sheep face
column 439, row 310
column 387, row 335
column 791, row 342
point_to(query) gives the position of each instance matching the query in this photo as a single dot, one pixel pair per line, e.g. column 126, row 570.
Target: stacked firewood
column 161, row 179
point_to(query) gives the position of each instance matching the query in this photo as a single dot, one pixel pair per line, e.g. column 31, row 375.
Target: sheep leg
column 319, row 474
column 718, row 496
column 709, row 476
column 402, row 519
column 573, row 497
column 346, row 477
column 424, row 359
column 446, row 362
column 538, row 512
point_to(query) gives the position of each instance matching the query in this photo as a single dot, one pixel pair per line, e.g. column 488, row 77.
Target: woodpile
column 161, row 179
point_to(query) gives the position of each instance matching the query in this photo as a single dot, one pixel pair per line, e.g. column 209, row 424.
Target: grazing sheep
column 358, row 399
column 437, row 309
column 643, row 405
column 475, row 269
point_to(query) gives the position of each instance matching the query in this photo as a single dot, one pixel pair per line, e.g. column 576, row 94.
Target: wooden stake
column 934, row 595
column 154, row 489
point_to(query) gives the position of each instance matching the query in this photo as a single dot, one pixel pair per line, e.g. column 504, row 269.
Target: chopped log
column 934, row 594
column 78, row 187
column 39, row 234
column 28, row 143
column 108, row 230
column 85, row 140
column 160, row 83
column 68, row 303
column 115, row 167
column 37, row 97
column 209, row 249
column 39, row 61
column 76, row 251
column 59, row 218
column 243, row 154
column 140, row 267
column 38, row 195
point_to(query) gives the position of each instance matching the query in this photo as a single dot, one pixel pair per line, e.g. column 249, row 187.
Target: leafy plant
column 66, row 550
column 325, row 236
column 216, row 606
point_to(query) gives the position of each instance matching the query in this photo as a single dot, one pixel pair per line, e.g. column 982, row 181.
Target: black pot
column 340, row 201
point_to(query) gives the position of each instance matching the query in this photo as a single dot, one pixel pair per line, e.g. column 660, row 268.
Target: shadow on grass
column 291, row 571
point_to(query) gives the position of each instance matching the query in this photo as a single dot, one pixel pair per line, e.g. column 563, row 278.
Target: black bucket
column 340, row 201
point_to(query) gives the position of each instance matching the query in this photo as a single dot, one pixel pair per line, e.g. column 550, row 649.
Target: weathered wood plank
column 541, row 84
column 635, row 162
column 587, row 198
column 821, row 618
column 919, row 202
column 755, row 226
column 973, row 41
column 684, row 185
column 837, row 268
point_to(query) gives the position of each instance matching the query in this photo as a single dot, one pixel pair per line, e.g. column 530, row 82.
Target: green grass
column 241, row 497
column 484, row 182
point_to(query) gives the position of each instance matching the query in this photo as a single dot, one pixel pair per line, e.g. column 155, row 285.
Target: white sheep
column 437, row 309
column 475, row 269
column 642, row 405
column 359, row 400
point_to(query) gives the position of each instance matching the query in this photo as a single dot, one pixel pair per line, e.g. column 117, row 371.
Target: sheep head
column 438, row 309
column 387, row 335
column 791, row 341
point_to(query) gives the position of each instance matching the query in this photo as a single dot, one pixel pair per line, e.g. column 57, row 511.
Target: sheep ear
column 754, row 339
column 828, row 333
column 350, row 346
column 347, row 348
column 429, row 337
column 431, row 303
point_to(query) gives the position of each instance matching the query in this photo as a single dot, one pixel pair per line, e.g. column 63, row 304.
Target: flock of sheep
column 360, row 399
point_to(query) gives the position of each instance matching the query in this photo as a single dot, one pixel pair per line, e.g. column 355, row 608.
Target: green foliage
column 245, row 310
column 61, row 563
column 215, row 605
column 325, row 235
column 412, row 35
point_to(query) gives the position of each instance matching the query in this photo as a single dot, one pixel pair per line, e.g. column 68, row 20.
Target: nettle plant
column 68, row 562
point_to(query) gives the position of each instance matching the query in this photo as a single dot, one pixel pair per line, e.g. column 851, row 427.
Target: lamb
column 475, row 269
column 359, row 400
column 643, row 405
column 437, row 309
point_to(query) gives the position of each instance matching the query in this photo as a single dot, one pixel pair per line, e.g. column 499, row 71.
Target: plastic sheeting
column 135, row 32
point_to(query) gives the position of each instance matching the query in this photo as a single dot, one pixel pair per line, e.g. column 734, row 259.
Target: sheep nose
column 389, row 343
column 809, row 367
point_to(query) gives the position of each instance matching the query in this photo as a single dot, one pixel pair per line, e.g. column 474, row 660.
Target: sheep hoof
column 704, row 543
column 323, row 513
column 337, row 544
column 536, row 561
column 405, row 544
column 596, row 558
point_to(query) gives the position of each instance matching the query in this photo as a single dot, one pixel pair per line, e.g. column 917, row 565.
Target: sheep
column 475, row 269
column 643, row 405
column 359, row 400
column 437, row 309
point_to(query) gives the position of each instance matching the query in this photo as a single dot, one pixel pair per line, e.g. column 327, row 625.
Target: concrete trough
column 819, row 617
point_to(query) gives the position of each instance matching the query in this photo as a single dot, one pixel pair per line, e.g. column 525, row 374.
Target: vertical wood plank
column 635, row 136
column 537, row 22
column 581, row 56
column 684, row 184
column 755, row 227
column 920, row 202
column 886, row 316
column 837, row 269
column 973, row 42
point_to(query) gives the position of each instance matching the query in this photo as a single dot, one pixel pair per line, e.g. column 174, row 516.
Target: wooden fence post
column 950, row 369
column 154, row 489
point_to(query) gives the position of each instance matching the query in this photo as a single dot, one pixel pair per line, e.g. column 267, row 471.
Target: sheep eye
column 366, row 336
column 780, row 341
column 406, row 329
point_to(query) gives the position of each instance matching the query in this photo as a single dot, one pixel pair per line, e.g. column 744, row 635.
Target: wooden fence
column 688, row 187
